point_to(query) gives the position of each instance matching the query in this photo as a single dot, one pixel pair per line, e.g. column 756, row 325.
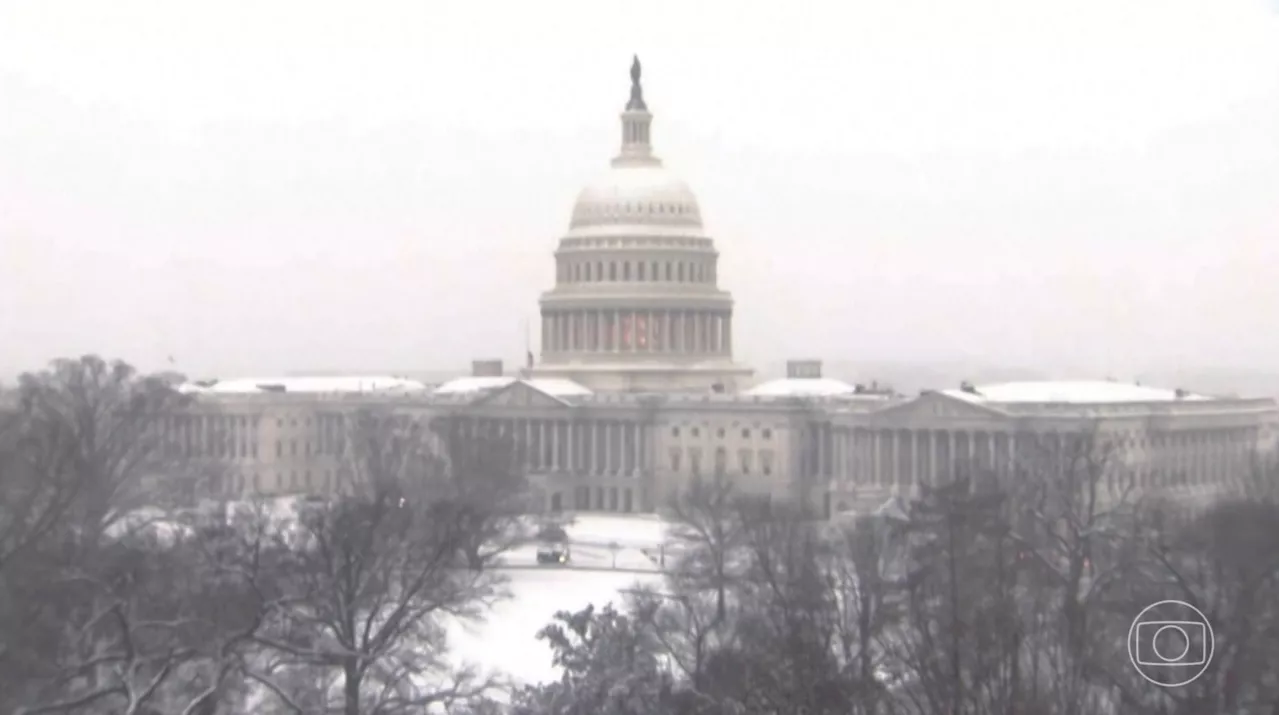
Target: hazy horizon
column 262, row 188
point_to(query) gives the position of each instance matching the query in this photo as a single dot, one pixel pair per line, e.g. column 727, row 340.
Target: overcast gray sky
column 255, row 187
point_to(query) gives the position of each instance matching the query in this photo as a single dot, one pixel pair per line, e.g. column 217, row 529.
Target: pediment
column 939, row 406
column 520, row 394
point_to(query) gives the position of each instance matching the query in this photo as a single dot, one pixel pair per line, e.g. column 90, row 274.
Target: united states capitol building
column 636, row 391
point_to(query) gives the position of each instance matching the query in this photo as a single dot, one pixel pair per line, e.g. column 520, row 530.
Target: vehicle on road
column 553, row 553
column 553, row 545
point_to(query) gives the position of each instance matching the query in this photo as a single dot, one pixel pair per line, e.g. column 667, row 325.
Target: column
column 875, row 456
column 635, row 449
column 914, row 447
column 592, row 451
column 527, row 453
column 728, row 333
column 555, row 464
column 951, row 455
column 608, row 446
column 933, row 456
column 897, row 458
column 569, row 442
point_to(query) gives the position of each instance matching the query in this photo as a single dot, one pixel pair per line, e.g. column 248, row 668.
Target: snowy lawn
column 506, row 641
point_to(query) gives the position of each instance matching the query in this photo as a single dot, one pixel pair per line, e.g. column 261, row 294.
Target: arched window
column 640, row 271
column 653, row 270
column 680, row 272
column 668, row 271
column 626, row 270
column 599, row 270
column 613, row 270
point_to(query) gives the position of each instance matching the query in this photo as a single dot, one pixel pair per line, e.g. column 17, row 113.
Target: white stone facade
column 637, row 392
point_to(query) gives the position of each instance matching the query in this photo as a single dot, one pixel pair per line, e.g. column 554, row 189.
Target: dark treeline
column 979, row 597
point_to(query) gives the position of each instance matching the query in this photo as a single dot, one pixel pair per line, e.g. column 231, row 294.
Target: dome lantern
column 636, row 119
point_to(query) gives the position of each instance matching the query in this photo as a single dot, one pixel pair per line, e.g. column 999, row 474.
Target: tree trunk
column 351, row 687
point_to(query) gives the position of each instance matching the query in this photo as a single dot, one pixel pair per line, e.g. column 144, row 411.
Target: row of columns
column 683, row 332
column 600, row 447
column 907, row 457
column 902, row 457
column 588, row 271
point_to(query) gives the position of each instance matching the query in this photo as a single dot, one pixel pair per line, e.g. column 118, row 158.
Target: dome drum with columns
column 636, row 305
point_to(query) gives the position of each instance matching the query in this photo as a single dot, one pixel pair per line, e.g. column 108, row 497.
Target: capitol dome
column 636, row 306
column 636, row 193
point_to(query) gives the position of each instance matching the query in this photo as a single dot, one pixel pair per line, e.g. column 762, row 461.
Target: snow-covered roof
column 1071, row 392
column 801, row 387
column 558, row 387
column 463, row 385
column 355, row 384
column 552, row 386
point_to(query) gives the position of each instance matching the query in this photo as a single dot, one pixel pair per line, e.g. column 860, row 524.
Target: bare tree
column 1224, row 561
column 1072, row 511
column 707, row 529
column 85, row 444
column 373, row 575
column 482, row 477
column 162, row 621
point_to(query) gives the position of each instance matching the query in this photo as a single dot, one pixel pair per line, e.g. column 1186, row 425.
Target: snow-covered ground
column 506, row 641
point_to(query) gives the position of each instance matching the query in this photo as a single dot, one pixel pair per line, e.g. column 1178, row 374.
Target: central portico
column 636, row 306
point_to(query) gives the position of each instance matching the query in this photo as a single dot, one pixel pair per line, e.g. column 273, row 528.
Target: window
column 293, row 448
column 694, row 431
column 640, row 271
column 746, row 433
column 721, row 459
column 675, row 431
column 626, row 271
column 766, row 433
column 766, row 462
column 668, row 271
column 720, row 433
column 695, row 461
column 680, row 272
column 613, row 271
column 279, row 449
column 744, row 458
column 675, row 460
